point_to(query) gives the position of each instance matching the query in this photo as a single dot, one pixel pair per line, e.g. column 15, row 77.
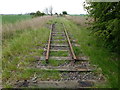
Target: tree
column 60, row 14
column 107, row 22
column 42, row 14
column 64, row 12
column 38, row 13
column 32, row 13
column 51, row 10
column 56, row 13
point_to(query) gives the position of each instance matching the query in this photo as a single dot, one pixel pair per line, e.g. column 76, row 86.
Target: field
column 24, row 37
column 14, row 18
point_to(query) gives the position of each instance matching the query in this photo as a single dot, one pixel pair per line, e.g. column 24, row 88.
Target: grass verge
column 18, row 54
column 55, row 62
column 98, row 55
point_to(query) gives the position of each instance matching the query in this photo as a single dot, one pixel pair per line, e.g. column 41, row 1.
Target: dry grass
column 35, row 23
column 80, row 20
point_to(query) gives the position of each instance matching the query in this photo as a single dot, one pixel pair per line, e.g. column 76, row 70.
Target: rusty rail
column 49, row 41
column 68, row 39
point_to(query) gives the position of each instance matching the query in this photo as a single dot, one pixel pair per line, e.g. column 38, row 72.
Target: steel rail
column 68, row 39
column 48, row 47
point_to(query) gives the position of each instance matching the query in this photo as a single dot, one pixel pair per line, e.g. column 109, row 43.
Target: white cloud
column 26, row 6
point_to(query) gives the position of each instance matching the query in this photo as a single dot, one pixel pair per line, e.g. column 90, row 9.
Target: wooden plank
column 58, row 50
column 64, row 69
column 58, row 40
column 60, row 58
column 73, row 84
column 59, row 45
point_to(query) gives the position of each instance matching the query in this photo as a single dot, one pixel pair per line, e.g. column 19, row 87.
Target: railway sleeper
column 59, row 45
column 58, row 34
column 59, row 48
column 65, row 69
column 60, row 58
column 73, row 84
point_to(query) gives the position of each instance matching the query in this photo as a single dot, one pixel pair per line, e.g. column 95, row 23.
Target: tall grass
column 14, row 18
column 98, row 55
column 20, row 42
column 80, row 20
column 11, row 29
column 19, row 54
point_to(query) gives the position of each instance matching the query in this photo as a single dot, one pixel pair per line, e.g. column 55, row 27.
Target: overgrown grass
column 55, row 62
column 56, row 37
column 99, row 55
column 14, row 18
column 17, row 54
column 59, row 53
column 77, row 51
column 9, row 30
column 48, row 75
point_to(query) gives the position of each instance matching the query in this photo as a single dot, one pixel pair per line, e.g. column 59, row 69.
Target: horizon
column 29, row 13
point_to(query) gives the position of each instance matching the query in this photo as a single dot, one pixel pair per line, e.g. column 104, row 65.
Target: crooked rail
column 68, row 39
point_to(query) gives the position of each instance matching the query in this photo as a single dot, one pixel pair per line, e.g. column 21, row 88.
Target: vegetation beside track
column 10, row 30
column 100, row 56
column 20, row 49
column 20, row 52
column 106, row 25
column 14, row 18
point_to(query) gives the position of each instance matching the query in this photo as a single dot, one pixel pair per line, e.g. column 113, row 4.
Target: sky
column 27, row 6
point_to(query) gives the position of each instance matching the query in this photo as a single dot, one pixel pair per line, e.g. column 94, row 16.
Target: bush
column 38, row 13
column 107, row 23
column 64, row 13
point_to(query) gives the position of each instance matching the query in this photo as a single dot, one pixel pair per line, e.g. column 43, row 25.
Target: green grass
column 59, row 26
column 0, row 19
column 56, row 37
column 49, row 75
column 17, row 54
column 14, row 18
column 99, row 55
column 54, row 62
column 77, row 50
column 59, row 53
column 33, row 72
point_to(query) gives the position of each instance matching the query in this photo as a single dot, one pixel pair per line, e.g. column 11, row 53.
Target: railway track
column 74, row 72
column 59, row 46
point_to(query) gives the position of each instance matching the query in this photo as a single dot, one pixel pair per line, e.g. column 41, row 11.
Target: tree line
column 106, row 25
column 47, row 11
